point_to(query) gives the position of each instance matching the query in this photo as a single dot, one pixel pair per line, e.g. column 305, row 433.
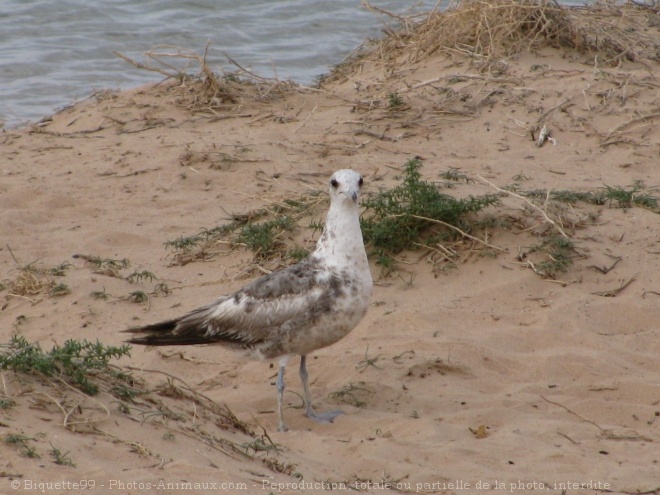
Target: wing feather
column 251, row 315
column 247, row 319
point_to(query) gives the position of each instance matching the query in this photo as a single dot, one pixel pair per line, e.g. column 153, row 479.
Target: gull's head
column 346, row 184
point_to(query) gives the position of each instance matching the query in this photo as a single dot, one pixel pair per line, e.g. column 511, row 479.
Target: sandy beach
column 484, row 364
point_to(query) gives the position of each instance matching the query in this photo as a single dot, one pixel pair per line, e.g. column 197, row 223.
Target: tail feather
column 181, row 331
column 200, row 326
column 163, row 334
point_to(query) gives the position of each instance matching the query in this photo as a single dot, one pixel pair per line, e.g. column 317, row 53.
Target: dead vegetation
column 479, row 39
column 263, row 231
column 90, row 396
column 396, row 107
column 32, row 280
column 490, row 31
column 202, row 90
column 486, row 35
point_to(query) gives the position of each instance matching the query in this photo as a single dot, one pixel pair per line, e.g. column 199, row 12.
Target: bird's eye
column 334, row 183
column 360, row 182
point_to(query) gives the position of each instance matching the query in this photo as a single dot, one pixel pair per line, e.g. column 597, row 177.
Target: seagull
column 292, row 311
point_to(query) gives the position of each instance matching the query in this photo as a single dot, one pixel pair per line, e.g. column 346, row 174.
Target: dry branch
column 615, row 292
column 540, row 210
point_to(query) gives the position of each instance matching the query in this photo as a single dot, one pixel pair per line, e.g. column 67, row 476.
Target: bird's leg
column 280, row 393
column 326, row 417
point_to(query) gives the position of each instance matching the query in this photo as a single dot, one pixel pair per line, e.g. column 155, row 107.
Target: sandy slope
column 483, row 373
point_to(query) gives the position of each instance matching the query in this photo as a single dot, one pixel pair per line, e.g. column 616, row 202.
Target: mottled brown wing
column 251, row 315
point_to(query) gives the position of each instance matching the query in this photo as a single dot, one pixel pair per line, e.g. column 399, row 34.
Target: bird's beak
column 352, row 194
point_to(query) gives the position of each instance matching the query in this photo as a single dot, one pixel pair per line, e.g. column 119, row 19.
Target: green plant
column 60, row 458
column 139, row 276
column 568, row 196
column 615, row 196
column 15, row 439
column 367, row 361
column 74, row 362
column 223, row 230
column 455, row 175
column 349, row 394
column 60, row 290
column 560, row 252
column 298, row 253
column 259, row 230
column 161, row 288
column 384, row 259
column 394, row 101
column 263, row 238
column 408, row 214
column 184, row 243
column 100, row 294
column 123, row 392
column 627, row 198
column 22, row 442
column 100, row 263
column 31, row 452
column 316, row 226
column 262, row 443
column 60, row 270
column 138, row 296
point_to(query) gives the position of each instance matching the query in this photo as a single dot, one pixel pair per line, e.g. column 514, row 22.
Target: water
column 54, row 52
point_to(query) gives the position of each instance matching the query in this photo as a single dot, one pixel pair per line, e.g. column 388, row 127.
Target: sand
column 472, row 375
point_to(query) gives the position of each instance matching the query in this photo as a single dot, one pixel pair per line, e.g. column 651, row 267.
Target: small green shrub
column 399, row 218
column 261, row 238
column 560, row 252
column 75, row 361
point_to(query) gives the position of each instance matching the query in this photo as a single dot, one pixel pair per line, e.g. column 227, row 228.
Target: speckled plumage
column 293, row 311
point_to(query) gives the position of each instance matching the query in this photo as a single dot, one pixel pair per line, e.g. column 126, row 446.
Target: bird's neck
column 341, row 243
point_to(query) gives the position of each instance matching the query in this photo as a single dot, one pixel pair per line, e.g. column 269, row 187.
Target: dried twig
column 618, row 130
column 617, row 291
column 146, row 67
column 540, row 210
column 570, row 411
column 606, row 269
column 456, row 229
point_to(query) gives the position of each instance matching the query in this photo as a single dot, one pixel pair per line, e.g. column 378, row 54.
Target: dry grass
column 31, row 280
column 266, row 232
column 491, row 29
column 121, row 398
column 469, row 45
column 495, row 29
column 201, row 90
